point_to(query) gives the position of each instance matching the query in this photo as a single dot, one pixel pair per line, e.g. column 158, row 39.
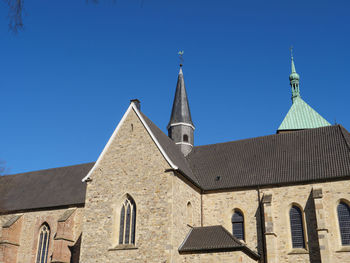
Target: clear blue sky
column 67, row 79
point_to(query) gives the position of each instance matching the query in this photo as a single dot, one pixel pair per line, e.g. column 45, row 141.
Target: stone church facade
column 152, row 197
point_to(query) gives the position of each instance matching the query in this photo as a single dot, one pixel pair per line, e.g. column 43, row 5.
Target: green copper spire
column 300, row 116
column 294, row 79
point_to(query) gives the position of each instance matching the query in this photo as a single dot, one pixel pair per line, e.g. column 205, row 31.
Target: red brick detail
column 9, row 242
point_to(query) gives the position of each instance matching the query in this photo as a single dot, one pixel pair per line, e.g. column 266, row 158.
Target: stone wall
column 320, row 222
column 218, row 209
column 183, row 193
column 222, row 257
column 28, row 236
column 132, row 165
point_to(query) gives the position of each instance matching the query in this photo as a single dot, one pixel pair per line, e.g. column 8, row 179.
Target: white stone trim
column 184, row 143
column 132, row 106
column 181, row 123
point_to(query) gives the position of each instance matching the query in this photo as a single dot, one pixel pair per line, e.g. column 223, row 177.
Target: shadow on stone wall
column 312, row 236
column 259, row 228
column 75, row 250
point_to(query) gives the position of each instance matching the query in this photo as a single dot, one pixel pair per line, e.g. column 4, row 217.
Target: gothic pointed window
column 344, row 223
column 43, row 244
column 127, row 222
column 297, row 229
column 238, row 225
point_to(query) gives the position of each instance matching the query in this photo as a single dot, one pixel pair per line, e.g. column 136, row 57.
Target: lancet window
column 43, row 244
column 297, row 229
column 127, row 222
column 238, row 225
column 344, row 223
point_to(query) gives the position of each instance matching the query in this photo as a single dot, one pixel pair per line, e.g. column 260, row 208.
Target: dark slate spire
column 180, row 127
column 181, row 109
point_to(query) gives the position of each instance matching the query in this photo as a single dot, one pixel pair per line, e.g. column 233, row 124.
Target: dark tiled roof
column 301, row 156
column 45, row 188
column 172, row 150
column 212, row 239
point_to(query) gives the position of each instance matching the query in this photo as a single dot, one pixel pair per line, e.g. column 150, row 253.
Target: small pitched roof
column 301, row 116
column 44, row 188
column 213, row 239
column 302, row 156
column 181, row 109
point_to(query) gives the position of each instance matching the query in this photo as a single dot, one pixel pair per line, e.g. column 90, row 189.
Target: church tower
column 180, row 127
column 300, row 115
column 294, row 81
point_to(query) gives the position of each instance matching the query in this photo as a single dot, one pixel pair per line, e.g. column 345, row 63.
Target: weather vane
column 181, row 53
column 291, row 51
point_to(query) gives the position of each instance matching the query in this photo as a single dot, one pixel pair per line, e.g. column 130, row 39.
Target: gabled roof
column 172, row 151
column 165, row 145
column 211, row 239
column 44, row 188
column 301, row 116
column 301, row 156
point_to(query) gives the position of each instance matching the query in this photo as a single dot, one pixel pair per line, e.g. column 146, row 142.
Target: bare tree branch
column 15, row 15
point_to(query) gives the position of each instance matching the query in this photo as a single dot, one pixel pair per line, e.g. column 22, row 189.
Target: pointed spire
column 294, row 78
column 181, row 109
column 180, row 127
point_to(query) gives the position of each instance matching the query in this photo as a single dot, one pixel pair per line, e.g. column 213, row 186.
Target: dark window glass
column 39, row 247
column 133, row 224
column 344, row 223
column 238, row 225
column 185, row 138
column 127, row 224
column 297, row 229
column 121, row 229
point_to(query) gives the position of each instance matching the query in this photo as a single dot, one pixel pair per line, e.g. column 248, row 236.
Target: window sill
column 295, row 251
column 343, row 249
column 123, row 247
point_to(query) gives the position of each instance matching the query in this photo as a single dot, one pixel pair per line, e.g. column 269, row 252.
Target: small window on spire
column 185, row 138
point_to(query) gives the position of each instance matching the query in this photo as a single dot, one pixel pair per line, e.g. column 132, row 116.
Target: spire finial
column 294, row 78
column 292, row 59
column 181, row 53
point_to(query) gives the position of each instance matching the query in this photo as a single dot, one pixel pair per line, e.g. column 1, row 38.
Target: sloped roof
column 301, row 116
column 300, row 156
column 172, row 150
column 213, row 239
column 44, row 188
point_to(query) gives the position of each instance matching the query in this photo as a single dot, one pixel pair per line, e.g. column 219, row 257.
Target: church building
column 152, row 197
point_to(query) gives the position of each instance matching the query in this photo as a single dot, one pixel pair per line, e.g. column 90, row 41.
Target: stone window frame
column 341, row 247
column 116, row 221
column 239, row 210
column 292, row 249
column 40, row 246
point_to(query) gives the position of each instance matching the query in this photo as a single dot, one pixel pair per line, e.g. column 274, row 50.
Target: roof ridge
column 46, row 169
column 265, row 136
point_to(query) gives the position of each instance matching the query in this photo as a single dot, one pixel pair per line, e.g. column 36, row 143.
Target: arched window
column 43, row 244
column 185, row 138
column 297, row 229
column 344, row 223
column 189, row 214
column 127, row 222
column 238, row 225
